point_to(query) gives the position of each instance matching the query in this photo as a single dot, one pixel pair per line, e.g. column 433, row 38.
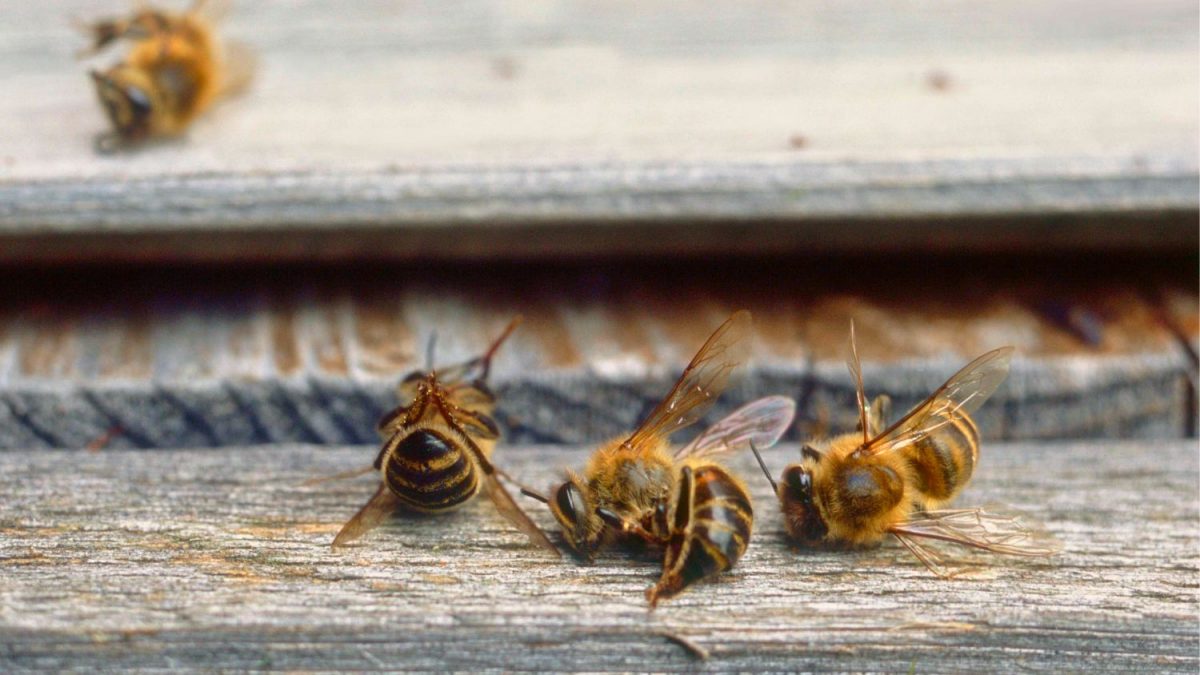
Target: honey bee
column 438, row 448
column 857, row 488
column 684, row 502
column 175, row 69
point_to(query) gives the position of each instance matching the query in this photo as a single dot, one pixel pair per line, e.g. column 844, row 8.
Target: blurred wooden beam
column 409, row 131
column 192, row 358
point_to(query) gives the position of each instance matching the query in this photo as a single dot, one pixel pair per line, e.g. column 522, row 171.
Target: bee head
column 126, row 94
column 580, row 524
column 803, row 519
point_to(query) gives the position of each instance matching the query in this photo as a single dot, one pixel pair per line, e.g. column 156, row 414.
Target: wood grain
column 218, row 559
column 490, row 130
column 179, row 358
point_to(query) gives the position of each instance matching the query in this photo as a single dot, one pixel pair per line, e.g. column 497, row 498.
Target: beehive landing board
column 492, row 129
column 219, row 559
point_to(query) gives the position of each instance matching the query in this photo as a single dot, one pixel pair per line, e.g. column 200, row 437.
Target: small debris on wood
column 939, row 80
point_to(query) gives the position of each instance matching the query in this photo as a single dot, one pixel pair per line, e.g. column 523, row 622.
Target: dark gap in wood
column 585, row 240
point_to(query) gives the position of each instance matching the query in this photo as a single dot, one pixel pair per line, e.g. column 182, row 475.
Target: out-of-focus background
column 953, row 176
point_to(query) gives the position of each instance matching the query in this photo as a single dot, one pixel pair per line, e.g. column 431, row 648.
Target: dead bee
column 175, row 69
column 683, row 501
column 438, row 448
column 857, row 488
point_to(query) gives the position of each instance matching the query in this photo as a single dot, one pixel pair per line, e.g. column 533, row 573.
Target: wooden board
column 218, row 559
column 500, row 130
column 190, row 359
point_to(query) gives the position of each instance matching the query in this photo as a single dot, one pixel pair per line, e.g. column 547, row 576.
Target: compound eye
column 139, row 102
column 413, row 377
column 570, row 502
column 798, row 482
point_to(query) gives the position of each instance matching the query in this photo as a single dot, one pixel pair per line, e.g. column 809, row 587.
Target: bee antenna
column 485, row 361
column 535, row 495
column 429, row 346
column 763, row 466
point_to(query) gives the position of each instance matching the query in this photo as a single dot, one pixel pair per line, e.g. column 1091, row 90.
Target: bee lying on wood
column 175, row 69
column 438, row 449
column 857, row 488
column 684, row 502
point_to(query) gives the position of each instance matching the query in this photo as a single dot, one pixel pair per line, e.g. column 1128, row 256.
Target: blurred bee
column 683, row 501
column 857, row 488
column 438, row 448
column 174, row 70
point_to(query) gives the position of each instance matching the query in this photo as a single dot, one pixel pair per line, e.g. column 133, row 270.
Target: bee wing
column 761, row 423
column 504, row 501
column 963, row 393
column 513, row 513
column 993, row 531
column 855, row 366
column 374, row 512
column 702, row 381
column 241, row 62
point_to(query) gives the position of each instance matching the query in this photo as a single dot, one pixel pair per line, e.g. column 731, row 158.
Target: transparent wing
column 988, row 530
column 378, row 509
column 241, row 63
column 702, row 381
column 962, row 394
column 500, row 497
column 513, row 513
column 860, row 394
column 761, row 423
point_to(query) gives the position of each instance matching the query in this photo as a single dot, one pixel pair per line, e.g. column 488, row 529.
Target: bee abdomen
column 722, row 518
column 943, row 462
column 428, row 472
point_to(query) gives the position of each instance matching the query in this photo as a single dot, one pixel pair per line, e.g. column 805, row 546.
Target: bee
column 857, row 488
column 175, row 69
column 683, row 502
column 438, row 448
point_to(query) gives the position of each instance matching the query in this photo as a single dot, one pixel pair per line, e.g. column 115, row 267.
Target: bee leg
column 678, row 544
column 626, row 526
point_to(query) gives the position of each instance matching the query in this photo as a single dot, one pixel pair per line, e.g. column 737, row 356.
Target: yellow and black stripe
column 710, row 528
column 942, row 463
column 428, row 471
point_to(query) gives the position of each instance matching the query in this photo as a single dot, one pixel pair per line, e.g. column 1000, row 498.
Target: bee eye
column 412, row 377
column 139, row 102
column 569, row 501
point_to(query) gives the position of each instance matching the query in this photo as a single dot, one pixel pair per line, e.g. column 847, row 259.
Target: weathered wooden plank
column 486, row 130
column 200, row 359
column 219, row 559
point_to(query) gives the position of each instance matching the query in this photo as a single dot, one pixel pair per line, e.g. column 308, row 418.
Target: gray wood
column 490, row 130
column 203, row 361
column 219, row 560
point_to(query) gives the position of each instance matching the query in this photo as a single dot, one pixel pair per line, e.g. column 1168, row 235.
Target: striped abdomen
column 942, row 462
column 710, row 528
column 428, row 472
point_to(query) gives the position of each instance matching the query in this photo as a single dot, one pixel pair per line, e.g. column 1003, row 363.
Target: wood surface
column 496, row 129
column 219, row 559
column 192, row 359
